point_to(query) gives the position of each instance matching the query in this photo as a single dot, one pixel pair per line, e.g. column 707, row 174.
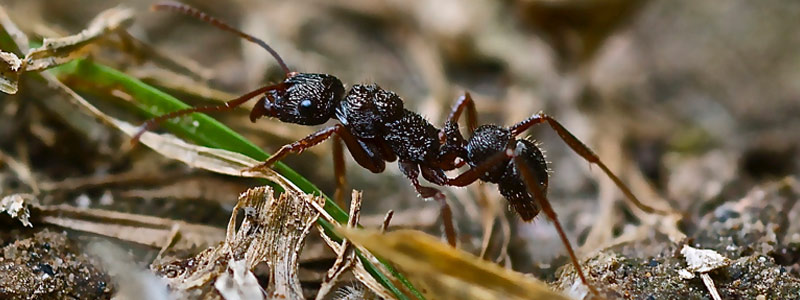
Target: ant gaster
column 376, row 128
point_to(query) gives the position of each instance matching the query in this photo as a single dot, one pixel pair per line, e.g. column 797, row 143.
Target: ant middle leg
column 411, row 171
column 463, row 102
column 582, row 150
column 339, row 171
column 466, row 102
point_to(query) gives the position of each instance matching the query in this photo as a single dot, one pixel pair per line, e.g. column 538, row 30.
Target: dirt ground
column 694, row 105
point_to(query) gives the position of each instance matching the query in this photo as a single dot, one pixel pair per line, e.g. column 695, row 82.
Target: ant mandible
column 377, row 129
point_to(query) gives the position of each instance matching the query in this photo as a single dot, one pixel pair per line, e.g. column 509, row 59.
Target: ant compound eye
column 305, row 107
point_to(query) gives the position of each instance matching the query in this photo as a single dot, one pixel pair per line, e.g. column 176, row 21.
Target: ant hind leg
column 531, row 182
column 583, row 151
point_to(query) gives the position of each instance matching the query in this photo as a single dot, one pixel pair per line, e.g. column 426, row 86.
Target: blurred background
column 691, row 103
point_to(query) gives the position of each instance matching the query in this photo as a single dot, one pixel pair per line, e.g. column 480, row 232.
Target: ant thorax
column 370, row 112
column 366, row 109
column 413, row 138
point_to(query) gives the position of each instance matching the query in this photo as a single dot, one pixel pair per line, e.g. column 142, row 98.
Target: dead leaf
column 61, row 50
column 445, row 272
column 9, row 72
column 703, row 260
column 16, row 206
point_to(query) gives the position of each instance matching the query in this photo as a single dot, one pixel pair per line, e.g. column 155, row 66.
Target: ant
column 376, row 129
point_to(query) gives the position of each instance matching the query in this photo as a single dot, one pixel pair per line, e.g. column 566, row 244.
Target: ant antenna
column 193, row 12
column 154, row 122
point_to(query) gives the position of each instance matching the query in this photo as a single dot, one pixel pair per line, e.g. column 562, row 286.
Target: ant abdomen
column 490, row 140
column 486, row 141
column 512, row 185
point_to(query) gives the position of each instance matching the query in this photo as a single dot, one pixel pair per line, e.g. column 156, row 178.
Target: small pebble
column 107, row 198
column 653, row 263
column 47, row 269
column 83, row 201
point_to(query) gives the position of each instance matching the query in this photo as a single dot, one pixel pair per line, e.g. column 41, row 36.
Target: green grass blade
column 205, row 131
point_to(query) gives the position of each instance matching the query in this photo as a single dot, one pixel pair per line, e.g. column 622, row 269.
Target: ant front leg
column 581, row 149
column 368, row 160
column 411, row 171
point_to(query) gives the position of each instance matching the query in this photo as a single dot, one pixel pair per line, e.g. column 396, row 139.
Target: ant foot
column 260, row 167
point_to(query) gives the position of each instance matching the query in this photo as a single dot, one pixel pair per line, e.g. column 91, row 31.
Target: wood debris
column 273, row 231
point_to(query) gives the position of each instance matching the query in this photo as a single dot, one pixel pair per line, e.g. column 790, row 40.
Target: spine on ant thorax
column 371, row 112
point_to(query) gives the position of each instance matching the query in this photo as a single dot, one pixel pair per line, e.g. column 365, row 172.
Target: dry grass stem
column 61, row 50
column 345, row 256
column 359, row 271
column 445, row 272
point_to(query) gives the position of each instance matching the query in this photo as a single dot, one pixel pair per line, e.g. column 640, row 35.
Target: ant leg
column 339, row 171
column 466, row 102
column 530, row 179
column 531, row 182
column 229, row 105
column 463, row 102
column 584, row 151
column 411, row 171
column 474, row 173
column 472, row 114
column 368, row 160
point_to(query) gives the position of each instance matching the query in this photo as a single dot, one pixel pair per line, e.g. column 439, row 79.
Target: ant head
column 302, row 98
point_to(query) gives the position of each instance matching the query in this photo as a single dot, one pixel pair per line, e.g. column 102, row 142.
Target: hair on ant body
column 376, row 129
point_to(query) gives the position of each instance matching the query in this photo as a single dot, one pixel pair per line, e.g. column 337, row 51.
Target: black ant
column 377, row 129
